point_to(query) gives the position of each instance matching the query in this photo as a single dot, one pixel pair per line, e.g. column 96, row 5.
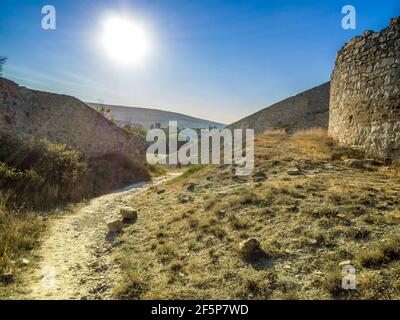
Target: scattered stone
column 250, row 249
column 294, row 172
column 184, row 199
column 223, row 193
column 161, row 191
column 221, row 213
column 341, row 215
column 345, row 263
column 313, row 241
column 354, row 163
column 115, row 225
column 191, row 187
column 23, row 262
column 129, row 214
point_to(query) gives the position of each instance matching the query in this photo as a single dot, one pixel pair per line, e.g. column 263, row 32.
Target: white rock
column 23, row 262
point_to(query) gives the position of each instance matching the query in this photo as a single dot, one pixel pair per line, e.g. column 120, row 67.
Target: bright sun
column 125, row 41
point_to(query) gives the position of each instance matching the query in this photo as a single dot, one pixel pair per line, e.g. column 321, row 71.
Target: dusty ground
column 75, row 259
column 310, row 211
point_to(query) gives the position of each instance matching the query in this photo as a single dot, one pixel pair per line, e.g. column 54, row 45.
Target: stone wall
column 67, row 120
column 365, row 93
column 306, row 110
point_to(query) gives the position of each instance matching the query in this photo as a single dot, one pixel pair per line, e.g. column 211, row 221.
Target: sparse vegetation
column 19, row 233
column 382, row 253
column 157, row 170
column 307, row 224
column 139, row 132
column 39, row 175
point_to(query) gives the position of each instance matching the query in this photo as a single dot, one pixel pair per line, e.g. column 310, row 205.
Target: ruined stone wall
column 365, row 93
column 66, row 120
column 306, row 110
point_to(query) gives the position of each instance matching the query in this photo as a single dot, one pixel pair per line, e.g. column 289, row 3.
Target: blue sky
column 220, row 60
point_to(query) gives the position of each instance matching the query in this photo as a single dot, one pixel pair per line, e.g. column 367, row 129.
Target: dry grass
column 38, row 175
column 19, row 234
column 306, row 224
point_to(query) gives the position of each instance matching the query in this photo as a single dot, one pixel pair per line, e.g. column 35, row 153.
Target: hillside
column 143, row 117
column 309, row 109
column 310, row 211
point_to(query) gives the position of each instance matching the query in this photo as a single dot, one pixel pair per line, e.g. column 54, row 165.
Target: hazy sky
column 219, row 60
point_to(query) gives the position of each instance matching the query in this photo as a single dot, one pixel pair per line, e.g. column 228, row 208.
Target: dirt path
column 75, row 260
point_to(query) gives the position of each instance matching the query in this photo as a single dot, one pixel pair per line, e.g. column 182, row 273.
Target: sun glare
column 125, row 41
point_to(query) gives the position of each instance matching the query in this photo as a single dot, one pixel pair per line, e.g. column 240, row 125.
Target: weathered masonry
column 364, row 106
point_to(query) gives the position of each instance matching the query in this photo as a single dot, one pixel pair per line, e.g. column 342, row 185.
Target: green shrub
column 39, row 174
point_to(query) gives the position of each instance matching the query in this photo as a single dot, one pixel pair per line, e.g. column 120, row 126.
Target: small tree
column 2, row 61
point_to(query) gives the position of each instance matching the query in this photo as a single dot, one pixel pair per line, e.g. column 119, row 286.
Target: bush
column 139, row 132
column 40, row 175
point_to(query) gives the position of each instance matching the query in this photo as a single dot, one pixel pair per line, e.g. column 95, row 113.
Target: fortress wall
column 66, row 120
column 364, row 106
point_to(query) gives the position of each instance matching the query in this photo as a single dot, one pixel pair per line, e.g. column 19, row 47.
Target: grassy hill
column 146, row 117
column 306, row 110
column 310, row 211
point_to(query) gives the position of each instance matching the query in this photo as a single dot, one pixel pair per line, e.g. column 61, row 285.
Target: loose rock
column 250, row 249
column 294, row 172
column 128, row 214
column 184, row 199
column 23, row 262
column 115, row 225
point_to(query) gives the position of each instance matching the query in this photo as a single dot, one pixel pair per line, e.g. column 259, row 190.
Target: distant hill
column 146, row 118
column 308, row 109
